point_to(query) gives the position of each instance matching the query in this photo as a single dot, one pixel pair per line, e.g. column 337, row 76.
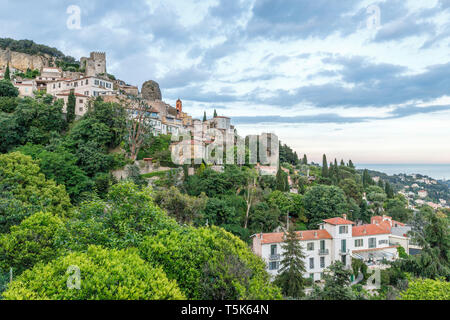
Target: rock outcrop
column 151, row 91
column 23, row 61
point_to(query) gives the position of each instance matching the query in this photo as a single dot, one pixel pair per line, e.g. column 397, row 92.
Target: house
column 80, row 104
column 337, row 239
column 26, row 88
column 48, row 74
column 88, row 86
column 422, row 194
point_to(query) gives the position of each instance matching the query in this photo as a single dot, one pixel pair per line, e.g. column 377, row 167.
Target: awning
column 380, row 254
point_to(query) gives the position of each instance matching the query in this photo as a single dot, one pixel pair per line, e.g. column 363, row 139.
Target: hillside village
column 340, row 215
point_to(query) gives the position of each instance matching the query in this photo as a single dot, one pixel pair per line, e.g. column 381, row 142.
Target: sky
column 361, row 80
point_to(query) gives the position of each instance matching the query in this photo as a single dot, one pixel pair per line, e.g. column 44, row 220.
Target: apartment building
column 337, row 239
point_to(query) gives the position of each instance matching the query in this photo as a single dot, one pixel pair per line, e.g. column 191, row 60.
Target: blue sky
column 325, row 76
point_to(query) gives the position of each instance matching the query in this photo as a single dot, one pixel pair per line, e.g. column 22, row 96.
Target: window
column 86, row 93
column 54, row 86
column 96, row 82
column 322, row 262
column 359, row 242
column 273, row 249
column 372, row 242
column 87, row 81
column 81, row 100
column 274, row 265
column 382, row 242
column 310, row 246
column 343, row 245
column 81, row 109
column 343, row 229
column 59, row 85
column 311, row 263
column 322, row 245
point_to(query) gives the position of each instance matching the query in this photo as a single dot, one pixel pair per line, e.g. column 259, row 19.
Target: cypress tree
column 389, row 191
column 215, row 113
column 7, row 73
column 290, row 279
column 342, row 163
column 324, row 167
column 305, row 159
column 204, row 116
column 381, row 184
column 350, row 164
column 71, row 103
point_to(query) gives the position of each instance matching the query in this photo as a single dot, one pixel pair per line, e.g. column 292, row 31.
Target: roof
column 369, row 230
column 338, row 221
column 304, row 236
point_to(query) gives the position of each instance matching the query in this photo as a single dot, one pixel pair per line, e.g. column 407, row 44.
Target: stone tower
column 95, row 64
column 179, row 106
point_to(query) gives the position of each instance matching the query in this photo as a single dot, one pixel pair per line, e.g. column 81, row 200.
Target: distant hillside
column 440, row 190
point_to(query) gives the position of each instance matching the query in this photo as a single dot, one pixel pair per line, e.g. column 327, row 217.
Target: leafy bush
column 210, row 263
column 104, row 275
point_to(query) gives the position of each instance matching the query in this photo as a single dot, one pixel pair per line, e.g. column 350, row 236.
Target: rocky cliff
column 23, row 61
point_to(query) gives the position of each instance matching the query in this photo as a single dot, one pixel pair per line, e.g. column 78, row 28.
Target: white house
column 337, row 239
column 88, row 86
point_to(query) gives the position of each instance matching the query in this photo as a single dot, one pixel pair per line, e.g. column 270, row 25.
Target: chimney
column 301, row 235
column 344, row 216
column 315, row 234
column 365, row 231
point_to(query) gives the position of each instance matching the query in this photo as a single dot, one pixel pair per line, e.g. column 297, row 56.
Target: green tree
column 210, row 263
column 337, row 284
column 184, row 208
column 215, row 113
column 71, row 104
column 7, row 73
column 389, row 190
column 324, row 167
column 323, row 202
column 7, row 89
column 427, row 289
column 60, row 166
column 367, row 179
column 104, row 275
column 290, row 278
column 30, row 242
column 282, row 183
column 352, row 189
column 305, row 160
column 204, row 116
column 350, row 164
column 27, row 191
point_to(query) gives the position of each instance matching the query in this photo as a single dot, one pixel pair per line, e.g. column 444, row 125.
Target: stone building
column 95, row 64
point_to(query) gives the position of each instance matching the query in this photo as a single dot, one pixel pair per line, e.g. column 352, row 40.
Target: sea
column 435, row 171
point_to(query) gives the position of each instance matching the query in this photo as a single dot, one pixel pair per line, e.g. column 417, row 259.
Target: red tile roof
column 304, row 236
column 369, row 230
column 338, row 221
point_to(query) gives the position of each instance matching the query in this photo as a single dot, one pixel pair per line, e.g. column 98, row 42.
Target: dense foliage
column 104, row 275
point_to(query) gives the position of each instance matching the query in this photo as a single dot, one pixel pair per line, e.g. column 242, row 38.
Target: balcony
column 344, row 252
column 274, row 257
column 324, row 252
